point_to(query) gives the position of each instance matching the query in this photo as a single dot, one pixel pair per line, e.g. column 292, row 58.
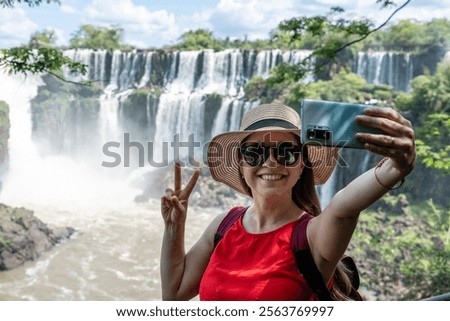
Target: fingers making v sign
column 175, row 202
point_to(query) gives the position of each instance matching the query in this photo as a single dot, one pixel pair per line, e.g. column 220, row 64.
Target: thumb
column 176, row 203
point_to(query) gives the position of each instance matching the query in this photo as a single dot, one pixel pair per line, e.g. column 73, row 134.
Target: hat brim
column 223, row 158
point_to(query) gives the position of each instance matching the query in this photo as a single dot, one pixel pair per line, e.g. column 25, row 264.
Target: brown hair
column 304, row 194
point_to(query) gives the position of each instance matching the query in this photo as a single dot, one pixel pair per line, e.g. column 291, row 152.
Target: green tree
column 433, row 144
column 197, row 40
column 335, row 34
column 46, row 38
column 429, row 94
column 428, row 104
column 411, row 35
column 349, row 87
column 406, row 33
column 95, row 37
column 403, row 256
column 40, row 59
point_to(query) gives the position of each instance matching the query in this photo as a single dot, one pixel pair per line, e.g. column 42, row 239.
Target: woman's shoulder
column 213, row 226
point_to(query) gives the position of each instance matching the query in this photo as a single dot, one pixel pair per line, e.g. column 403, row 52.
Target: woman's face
column 266, row 176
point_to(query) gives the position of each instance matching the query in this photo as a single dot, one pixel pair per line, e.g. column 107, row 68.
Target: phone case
column 329, row 123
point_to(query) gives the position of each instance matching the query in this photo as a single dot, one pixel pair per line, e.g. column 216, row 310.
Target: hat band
column 271, row 122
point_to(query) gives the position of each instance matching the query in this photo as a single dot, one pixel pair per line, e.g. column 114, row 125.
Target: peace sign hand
column 175, row 202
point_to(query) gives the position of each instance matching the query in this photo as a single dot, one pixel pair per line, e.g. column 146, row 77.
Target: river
column 115, row 253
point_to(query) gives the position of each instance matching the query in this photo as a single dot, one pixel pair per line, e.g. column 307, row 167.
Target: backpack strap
column 232, row 216
column 305, row 262
column 354, row 277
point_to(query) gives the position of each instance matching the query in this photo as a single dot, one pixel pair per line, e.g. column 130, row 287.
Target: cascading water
column 381, row 67
column 115, row 256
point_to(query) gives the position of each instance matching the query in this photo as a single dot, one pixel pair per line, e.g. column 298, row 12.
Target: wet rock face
column 23, row 237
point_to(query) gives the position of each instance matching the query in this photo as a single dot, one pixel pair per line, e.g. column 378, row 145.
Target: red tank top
column 251, row 267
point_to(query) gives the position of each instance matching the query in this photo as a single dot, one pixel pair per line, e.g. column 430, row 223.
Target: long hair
column 305, row 196
column 304, row 193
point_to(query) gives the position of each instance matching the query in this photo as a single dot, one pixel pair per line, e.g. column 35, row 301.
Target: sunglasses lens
column 287, row 153
column 253, row 154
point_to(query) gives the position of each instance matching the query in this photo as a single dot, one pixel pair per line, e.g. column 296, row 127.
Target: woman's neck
column 267, row 214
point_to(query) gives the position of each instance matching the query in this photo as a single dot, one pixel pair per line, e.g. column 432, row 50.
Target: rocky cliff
column 23, row 237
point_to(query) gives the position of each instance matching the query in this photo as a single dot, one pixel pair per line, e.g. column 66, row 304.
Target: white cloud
column 255, row 18
column 139, row 22
column 60, row 36
column 15, row 28
column 67, row 9
column 426, row 11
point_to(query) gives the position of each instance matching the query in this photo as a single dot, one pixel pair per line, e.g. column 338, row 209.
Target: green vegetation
column 344, row 86
column 433, row 148
column 402, row 245
column 4, row 130
column 3, row 242
column 408, row 35
column 61, row 109
column 31, row 3
column 94, row 37
column 37, row 60
column 197, row 40
column 40, row 56
column 429, row 94
column 428, row 107
column 403, row 250
column 39, row 39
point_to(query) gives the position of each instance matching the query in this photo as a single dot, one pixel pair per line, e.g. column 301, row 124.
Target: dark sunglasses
column 256, row 154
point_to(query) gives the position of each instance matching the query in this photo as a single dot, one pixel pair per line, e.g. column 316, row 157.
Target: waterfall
column 147, row 70
column 184, row 81
column 447, row 57
column 113, row 250
column 390, row 68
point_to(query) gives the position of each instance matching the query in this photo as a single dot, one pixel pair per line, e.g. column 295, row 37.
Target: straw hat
column 223, row 150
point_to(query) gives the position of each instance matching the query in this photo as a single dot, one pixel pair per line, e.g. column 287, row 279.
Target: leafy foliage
column 4, row 130
column 428, row 105
column 31, row 3
column 403, row 256
column 39, row 56
column 433, row 147
column 27, row 60
column 62, row 111
column 44, row 38
column 349, row 87
column 197, row 40
column 344, row 86
column 94, row 37
column 332, row 34
column 412, row 35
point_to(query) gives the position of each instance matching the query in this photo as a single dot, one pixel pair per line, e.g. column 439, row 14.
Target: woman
column 265, row 160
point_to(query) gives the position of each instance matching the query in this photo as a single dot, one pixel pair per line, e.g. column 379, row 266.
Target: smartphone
column 329, row 123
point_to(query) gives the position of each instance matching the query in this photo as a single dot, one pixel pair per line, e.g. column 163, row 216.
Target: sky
column 155, row 23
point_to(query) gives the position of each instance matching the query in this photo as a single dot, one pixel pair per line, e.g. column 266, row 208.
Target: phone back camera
column 311, row 133
column 321, row 134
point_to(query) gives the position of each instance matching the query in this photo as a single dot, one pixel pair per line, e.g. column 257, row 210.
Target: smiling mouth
column 271, row 177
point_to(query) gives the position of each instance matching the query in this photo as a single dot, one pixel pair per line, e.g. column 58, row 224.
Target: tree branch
column 373, row 30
